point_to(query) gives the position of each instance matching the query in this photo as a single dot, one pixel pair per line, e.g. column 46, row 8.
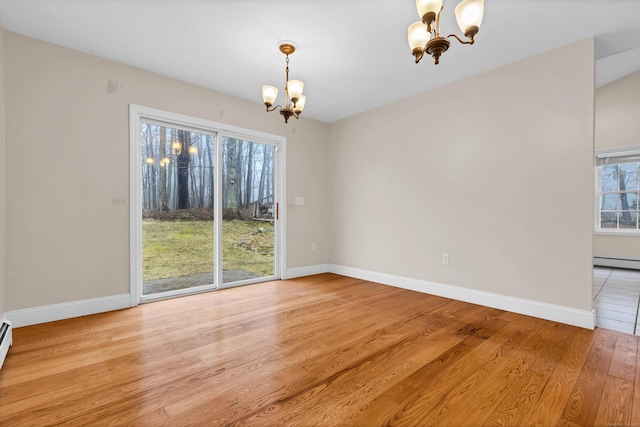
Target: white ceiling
column 353, row 54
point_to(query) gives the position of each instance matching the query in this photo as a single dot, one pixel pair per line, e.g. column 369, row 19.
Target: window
column 618, row 191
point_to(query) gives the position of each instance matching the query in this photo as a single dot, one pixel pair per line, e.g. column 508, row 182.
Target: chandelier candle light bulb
column 269, row 94
column 299, row 105
column 424, row 36
column 469, row 14
column 294, row 90
column 428, row 10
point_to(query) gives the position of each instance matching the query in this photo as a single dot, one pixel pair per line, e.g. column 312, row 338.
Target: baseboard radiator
column 6, row 340
column 632, row 264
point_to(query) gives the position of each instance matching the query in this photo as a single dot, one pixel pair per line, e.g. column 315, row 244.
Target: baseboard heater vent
column 6, row 340
column 632, row 264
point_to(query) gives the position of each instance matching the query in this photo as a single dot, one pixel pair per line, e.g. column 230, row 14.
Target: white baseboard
column 67, row 310
column 556, row 313
column 310, row 270
column 632, row 264
column 567, row 315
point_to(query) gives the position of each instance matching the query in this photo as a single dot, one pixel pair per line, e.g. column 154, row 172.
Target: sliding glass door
column 208, row 209
column 178, row 188
column 249, row 210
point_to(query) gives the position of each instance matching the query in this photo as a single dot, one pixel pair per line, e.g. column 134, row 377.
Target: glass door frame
column 136, row 115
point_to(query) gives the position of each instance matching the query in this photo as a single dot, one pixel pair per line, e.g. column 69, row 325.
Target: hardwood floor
column 315, row 351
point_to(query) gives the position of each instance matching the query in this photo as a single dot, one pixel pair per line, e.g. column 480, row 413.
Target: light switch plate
column 299, row 201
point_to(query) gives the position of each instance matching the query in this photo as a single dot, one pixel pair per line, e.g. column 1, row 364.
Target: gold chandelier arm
column 471, row 41
column 273, row 109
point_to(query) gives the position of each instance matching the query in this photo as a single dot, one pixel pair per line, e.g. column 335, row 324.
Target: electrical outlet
column 445, row 259
column 313, row 246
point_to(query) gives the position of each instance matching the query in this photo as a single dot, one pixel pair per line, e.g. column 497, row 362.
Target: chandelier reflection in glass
column 295, row 100
column 424, row 36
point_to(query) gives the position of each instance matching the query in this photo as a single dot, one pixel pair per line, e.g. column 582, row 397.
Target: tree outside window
column 619, row 194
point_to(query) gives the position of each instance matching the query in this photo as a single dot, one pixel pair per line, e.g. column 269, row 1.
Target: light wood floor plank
column 582, row 406
column 616, row 404
column 494, row 378
column 314, row 351
column 555, row 392
column 353, row 388
column 523, row 395
column 635, row 412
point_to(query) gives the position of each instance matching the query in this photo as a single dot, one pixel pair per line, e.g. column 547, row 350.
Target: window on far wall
column 618, row 191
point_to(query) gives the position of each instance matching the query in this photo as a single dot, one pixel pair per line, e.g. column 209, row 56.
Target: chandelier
column 424, row 36
column 295, row 100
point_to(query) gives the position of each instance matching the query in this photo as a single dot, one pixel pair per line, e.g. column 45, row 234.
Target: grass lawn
column 185, row 247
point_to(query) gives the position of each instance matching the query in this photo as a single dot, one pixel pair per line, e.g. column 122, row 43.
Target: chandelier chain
column 287, row 75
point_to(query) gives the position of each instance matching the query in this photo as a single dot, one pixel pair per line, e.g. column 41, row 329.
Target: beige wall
column 3, row 270
column 618, row 247
column 67, row 138
column 387, row 191
column 495, row 170
column 618, row 126
column 617, row 113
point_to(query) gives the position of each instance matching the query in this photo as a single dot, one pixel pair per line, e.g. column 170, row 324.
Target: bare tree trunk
column 193, row 194
column 249, row 183
column 263, row 174
column 147, row 201
column 154, row 171
column 183, row 170
column 170, row 180
column 624, row 202
column 269, row 180
column 231, row 183
column 164, row 200
column 239, row 174
column 211, row 174
column 201, row 163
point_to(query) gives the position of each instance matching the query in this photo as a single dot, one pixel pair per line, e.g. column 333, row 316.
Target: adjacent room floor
column 616, row 297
